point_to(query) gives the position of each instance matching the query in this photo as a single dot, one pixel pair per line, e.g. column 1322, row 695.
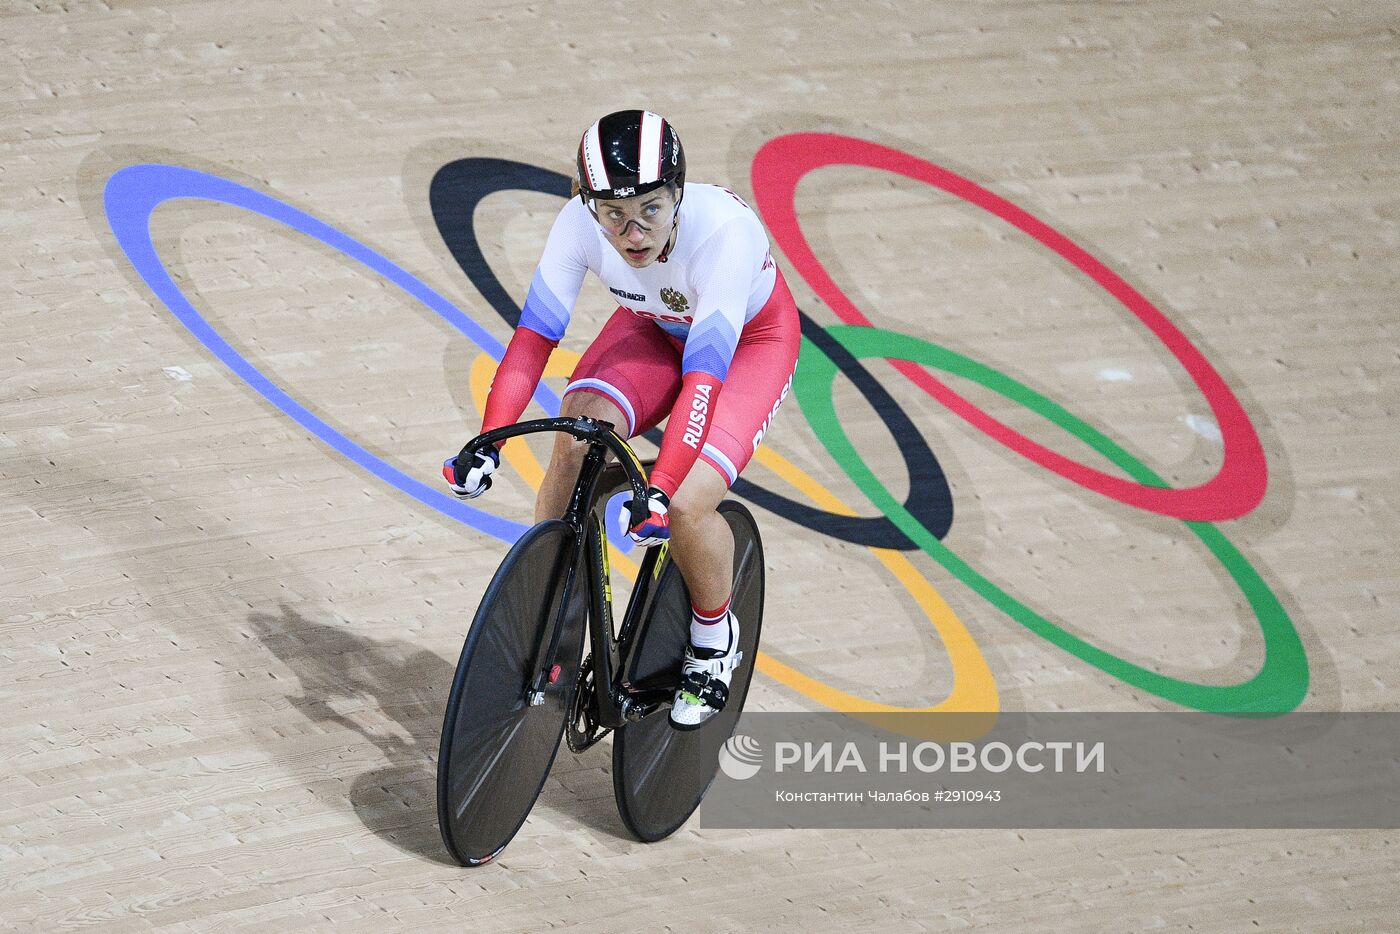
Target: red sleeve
column 516, row 378
column 686, row 430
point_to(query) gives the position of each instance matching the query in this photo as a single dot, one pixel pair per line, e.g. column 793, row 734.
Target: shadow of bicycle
column 392, row 693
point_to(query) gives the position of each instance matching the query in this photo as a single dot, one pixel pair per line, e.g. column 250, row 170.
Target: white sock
column 709, row 630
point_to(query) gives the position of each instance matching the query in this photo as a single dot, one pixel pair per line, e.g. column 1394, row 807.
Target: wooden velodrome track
column 227, row 646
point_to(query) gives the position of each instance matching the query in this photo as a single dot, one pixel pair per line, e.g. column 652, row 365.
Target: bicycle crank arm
column 638, row 705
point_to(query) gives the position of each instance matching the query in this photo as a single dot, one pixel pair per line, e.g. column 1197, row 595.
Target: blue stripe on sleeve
column 710, row 347
column 543, row 313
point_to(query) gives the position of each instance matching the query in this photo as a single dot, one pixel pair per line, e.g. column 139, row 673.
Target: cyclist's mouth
column 638, row 253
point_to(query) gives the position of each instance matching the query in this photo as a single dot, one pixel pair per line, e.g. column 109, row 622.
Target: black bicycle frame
column 618, row 701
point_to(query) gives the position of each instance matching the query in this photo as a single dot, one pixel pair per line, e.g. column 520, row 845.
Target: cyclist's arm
column 724, row 270
column 516, row 377
column 544, row 318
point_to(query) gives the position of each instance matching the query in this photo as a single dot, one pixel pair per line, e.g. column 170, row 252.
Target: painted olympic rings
column 134, row 192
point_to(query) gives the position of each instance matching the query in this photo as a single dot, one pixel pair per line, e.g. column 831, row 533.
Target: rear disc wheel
column 660, row 774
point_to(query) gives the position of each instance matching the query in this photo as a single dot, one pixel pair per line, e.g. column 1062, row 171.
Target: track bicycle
column 523, row 679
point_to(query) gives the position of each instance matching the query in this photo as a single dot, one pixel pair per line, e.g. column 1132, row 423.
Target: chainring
column 583, row 730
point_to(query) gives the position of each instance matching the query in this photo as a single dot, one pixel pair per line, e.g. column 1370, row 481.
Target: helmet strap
column 675, row 225
column 671, row 241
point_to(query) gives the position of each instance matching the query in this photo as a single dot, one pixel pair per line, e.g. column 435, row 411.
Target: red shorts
column 637, row 366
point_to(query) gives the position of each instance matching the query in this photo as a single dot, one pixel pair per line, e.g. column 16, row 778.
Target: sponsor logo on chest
column 675, row 301
column 674, row 319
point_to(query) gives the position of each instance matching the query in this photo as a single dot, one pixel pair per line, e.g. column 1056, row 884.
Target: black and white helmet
column 627, row 153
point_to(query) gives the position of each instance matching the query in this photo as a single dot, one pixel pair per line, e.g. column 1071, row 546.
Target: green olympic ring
column 1281, row 682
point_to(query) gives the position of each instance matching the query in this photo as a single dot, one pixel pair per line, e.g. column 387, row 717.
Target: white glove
column 476, row 478
column 655, row 528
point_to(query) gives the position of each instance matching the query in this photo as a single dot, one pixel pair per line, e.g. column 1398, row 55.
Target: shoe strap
column 710, row 691
column 713, row 666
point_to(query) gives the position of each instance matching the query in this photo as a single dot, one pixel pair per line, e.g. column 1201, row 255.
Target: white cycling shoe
column 704, row 687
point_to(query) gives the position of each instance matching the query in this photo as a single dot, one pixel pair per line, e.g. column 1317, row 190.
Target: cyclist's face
column 638, row 228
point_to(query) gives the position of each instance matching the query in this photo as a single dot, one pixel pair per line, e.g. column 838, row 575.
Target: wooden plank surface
column 227, row 648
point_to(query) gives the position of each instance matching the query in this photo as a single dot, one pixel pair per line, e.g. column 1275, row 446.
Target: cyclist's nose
column 635, row 232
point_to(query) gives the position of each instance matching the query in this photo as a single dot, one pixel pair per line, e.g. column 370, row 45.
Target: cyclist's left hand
column 656, row 527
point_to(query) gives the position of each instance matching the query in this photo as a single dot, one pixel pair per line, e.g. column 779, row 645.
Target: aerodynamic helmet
column 627, row 153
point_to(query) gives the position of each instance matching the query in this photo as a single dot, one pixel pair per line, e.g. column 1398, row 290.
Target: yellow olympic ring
column 974, row 687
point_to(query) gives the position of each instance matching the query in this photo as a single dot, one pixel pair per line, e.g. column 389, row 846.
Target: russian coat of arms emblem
column 675, row 301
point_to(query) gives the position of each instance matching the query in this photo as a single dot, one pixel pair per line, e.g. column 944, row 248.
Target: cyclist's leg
column 701, row 543
column 759, row 379
column 630, row 376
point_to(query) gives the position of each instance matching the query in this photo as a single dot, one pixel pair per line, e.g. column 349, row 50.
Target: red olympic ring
column 1241, row 481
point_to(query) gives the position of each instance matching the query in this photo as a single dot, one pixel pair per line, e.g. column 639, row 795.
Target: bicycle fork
column 580, row 520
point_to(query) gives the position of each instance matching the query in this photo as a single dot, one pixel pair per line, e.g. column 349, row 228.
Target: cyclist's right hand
column 473, row 479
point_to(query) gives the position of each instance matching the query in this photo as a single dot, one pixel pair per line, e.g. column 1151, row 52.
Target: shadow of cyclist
column 387, row 691
column 392, row 693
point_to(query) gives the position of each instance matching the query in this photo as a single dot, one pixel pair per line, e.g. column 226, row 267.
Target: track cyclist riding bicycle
column 706, row 333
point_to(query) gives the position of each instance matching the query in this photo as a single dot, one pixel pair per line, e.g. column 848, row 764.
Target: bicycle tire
column 496, row 749
column 660, row 774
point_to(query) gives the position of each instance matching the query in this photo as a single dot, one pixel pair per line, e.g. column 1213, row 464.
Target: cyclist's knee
column 694, row 502
column 568, row 451
column 592, row 405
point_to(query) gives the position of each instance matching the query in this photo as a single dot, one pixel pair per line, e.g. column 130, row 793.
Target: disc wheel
column 496, row 747
column 661, row 773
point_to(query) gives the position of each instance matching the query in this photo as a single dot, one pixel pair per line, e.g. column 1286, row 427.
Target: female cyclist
column 706, row 333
